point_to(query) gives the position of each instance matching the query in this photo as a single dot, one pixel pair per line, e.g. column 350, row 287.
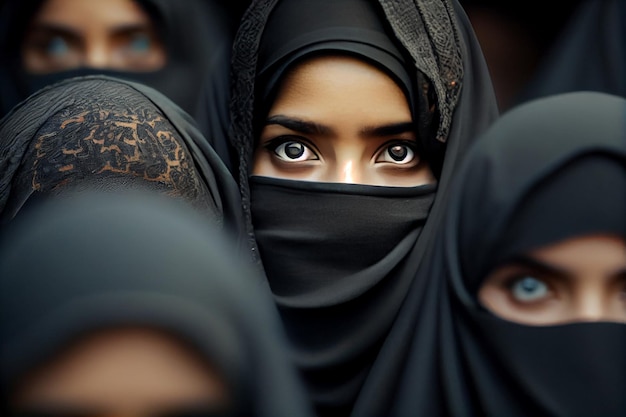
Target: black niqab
column 548, row 170
column 341, row 257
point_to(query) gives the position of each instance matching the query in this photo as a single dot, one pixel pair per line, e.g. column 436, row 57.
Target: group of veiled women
column 330, row 218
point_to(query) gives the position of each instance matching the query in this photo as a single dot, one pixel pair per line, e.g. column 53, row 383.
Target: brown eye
column 291, row 150
column 294, row 150
column 399, row 153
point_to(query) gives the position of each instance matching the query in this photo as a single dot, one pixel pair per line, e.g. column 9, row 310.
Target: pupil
column 57, row 46
column 141, row 43
column 294, row 150
column 398, row 152
column 529, row 284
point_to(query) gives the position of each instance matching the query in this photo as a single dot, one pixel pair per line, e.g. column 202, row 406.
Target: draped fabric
column 106, row 133
column 324, row 251
column 588, row 55
column 548, row 170
column 91, row 262
column 340, row 258
column 197, row 40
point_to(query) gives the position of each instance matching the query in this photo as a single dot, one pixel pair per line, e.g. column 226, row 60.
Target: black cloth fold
column 340, row 258
column 588, row 55
column 345, row 27
column 107, row 133
column 195, row 34
column 323, row 246
column 92, row 262
column 548, row 170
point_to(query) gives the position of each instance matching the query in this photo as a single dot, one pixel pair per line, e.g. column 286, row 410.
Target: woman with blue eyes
column 582, row 279
column 174, row 47
column 67, row 34
column 531, row 320
column 349, row 120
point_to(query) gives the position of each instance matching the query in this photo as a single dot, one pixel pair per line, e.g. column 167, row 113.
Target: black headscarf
column 340, row 257
column 92, row 262
column 106, row 133
column 589, row 54
column 548, row 170
column 196, row 36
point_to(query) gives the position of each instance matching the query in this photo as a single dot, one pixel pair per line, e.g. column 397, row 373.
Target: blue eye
column 529, row 289
column 57, row 46
column 140, row 43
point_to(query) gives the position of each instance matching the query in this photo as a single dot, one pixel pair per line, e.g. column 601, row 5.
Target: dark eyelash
column 406, row 142
column 274, row 143
column 510, row 281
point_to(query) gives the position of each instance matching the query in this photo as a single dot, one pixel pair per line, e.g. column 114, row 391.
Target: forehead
column 85, row 13
column 124, row 367
column 585, row 253
column 328, row 84
column 349, row 70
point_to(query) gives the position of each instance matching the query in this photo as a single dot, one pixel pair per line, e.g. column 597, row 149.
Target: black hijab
column 340, row 257
column 92, row 262
column 106, row 133
column 588, row 55
column 196, row 36
column 548, row 170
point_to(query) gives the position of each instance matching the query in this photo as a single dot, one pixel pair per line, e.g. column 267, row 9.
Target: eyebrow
column 63, row 30
column 299, row 125
column 530, row 262
column 131, row 28
column 312, row 128
column 53, row 29
column 388, row 130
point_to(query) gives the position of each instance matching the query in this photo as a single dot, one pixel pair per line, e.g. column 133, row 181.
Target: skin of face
column 340, row 119
column 111, row 34
column 576, row 280
column 122, row 372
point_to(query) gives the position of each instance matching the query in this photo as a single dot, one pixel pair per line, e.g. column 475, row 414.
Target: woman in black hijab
column 528, row 324
column 105, row 133
column 76, row 273
column 340, row 257
column 194, row 36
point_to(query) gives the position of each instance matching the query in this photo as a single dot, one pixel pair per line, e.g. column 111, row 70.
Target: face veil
column 340, row 258
column 549, row 170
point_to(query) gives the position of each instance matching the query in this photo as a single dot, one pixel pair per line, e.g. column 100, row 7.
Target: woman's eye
column 140, row 43
column 529, row 289
column 57, row 46
column 293, row 151
column 397, row 153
